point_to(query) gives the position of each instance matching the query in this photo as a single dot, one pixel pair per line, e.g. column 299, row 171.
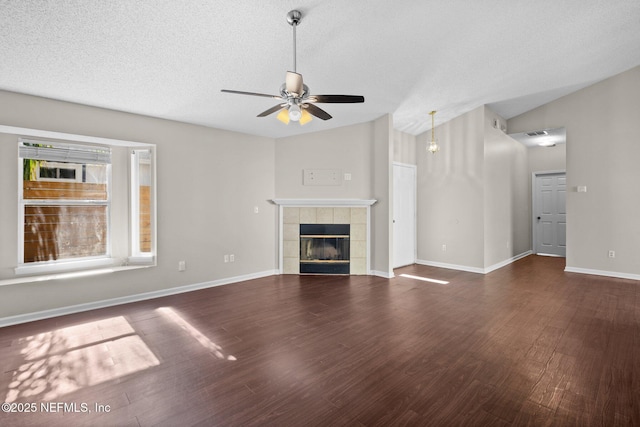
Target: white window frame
column 38, row 271
column 66, row 263
column 136, row 159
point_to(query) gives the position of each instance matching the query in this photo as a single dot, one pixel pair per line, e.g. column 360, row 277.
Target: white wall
column 208, row 184
column 602, row 153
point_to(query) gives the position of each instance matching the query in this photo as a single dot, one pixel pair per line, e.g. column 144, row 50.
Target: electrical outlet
column 226, row 258
column 232, row 258
column 612, row 254
column 182, row 265
column 444, row 248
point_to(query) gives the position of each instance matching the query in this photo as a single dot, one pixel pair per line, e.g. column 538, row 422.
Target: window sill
column 67, row 266
column 73, row 274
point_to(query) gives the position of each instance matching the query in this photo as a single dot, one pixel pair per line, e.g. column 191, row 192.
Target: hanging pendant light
column 433, row 146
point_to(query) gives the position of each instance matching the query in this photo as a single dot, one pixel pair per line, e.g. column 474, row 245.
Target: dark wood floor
column 525, row 345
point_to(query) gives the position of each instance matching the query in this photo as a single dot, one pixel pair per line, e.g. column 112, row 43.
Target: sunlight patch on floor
column 195, row 333
column 425, row 279
column 64, row 360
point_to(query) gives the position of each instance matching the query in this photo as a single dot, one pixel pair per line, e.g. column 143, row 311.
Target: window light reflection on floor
column 425, row 279
column 61, row 361
column 203, row 340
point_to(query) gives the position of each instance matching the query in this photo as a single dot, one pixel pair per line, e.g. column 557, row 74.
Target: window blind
column 57, row 152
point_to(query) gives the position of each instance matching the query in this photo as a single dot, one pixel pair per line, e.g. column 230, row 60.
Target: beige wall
column 472, row 194
column 602, row 153
column 404, row 148
column 543, row 159
column 451, row 193
column 208, row 184
column 347, row 149
column 366, row 152
column 506, row 195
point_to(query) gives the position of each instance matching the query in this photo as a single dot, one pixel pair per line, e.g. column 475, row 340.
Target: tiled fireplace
column 318, row 218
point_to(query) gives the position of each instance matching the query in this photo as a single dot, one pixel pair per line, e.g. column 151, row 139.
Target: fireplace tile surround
column 294, row 212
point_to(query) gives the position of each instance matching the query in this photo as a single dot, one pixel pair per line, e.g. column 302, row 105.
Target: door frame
column 534, row 204
column 415, row 212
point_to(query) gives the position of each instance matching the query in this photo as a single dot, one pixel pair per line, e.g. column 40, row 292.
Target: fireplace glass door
column 324, row 248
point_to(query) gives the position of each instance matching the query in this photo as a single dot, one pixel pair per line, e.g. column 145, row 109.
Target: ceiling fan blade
column 317, row 111
column 270, row 110
column 239, row 92
column 336, row 99
column 293, row 83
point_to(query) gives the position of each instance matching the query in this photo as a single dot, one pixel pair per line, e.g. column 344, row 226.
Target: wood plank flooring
column 524, row 345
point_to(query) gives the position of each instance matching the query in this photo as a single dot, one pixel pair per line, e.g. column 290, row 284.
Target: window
column 64, row 202
column 141, row 204
column 55, row 171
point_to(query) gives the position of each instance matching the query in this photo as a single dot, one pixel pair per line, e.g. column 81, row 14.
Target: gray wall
column 208, row 184
column 602, row 153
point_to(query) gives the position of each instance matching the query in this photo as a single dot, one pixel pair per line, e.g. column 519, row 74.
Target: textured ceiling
column 170, row 59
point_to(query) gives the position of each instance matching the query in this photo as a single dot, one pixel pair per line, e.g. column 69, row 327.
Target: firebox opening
column 324, row 248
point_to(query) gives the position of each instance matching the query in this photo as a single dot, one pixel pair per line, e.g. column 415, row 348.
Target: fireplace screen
column 324, row 248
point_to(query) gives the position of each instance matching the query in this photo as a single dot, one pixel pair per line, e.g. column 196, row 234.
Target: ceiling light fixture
column 433, row 147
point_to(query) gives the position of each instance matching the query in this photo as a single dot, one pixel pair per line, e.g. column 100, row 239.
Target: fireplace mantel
column 323, row 202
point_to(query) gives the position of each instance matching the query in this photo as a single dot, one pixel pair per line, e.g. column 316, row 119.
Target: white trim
column 63, row 266
column 46, row 314
column 478, row 270
column 382, row 274
column 506, row 262
column 13, row 130
column 325, row 203
column 602, row 273
column 415, row 211
column 450, row 266
column 280, row 239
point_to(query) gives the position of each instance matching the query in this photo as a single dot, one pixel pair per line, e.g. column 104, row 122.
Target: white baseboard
column 450, row 266
column 383, row 274
column 474, row 269
column 506, row 262
column 46, row 314
column 602, row 273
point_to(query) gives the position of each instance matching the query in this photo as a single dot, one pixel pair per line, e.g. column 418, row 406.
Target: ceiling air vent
column 538, row 133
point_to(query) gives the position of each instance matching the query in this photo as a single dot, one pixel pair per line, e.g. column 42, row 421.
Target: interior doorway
column 549, row 213
column 404, row 214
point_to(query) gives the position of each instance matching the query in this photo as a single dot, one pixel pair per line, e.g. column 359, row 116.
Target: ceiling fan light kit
column 296, row 102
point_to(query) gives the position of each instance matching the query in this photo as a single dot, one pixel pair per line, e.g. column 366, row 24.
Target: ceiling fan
column 296, row 102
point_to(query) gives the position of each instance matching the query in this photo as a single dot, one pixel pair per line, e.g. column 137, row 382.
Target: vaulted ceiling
column 170, row 59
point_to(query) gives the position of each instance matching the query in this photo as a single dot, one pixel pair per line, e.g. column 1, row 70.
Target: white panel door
column 550, row 214
column 404, row 215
